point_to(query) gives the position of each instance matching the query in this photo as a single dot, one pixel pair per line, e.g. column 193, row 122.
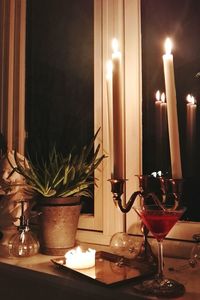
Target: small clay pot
column 58, row 221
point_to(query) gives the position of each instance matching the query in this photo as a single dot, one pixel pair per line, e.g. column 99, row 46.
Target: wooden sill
column 37, row 278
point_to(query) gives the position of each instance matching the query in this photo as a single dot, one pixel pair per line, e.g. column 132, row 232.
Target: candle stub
column 78, row 259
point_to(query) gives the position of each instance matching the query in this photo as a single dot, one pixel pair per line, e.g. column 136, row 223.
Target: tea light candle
column 78, row 259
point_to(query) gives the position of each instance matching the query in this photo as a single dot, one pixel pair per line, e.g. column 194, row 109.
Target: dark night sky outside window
column 178, row 19
column 59, row 74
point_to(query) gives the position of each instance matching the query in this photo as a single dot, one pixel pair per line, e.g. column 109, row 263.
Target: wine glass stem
column 160, row 260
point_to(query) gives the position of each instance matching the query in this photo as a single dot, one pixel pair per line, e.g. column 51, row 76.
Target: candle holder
column 151, row 190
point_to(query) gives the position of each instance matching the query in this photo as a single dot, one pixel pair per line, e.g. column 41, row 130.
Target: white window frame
column 112, row 18
column 108, row 21
column 121, row 19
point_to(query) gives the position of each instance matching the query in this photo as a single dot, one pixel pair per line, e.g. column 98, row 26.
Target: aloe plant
column 61, row 175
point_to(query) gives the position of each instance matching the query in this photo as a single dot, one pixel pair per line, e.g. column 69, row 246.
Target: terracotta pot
column 58, row 223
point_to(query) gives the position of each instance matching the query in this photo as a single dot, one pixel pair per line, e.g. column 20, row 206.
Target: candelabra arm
column 126, row 208
column 117, row 188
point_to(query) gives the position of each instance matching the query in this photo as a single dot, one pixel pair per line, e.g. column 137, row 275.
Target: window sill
column 37, row 278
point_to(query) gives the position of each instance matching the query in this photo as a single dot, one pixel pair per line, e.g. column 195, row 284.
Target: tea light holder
column 78, row 259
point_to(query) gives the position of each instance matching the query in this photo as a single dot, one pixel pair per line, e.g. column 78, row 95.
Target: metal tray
column 111, row 269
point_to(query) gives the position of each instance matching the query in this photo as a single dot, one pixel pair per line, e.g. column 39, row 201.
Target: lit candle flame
column 168, row 46
column 191, row 99
column 162, row 97
column 158, row 95
column 156, row 174
column 153, row 174
column 188, row 98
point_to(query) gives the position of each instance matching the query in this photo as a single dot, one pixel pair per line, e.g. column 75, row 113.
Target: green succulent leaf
column 61, row 175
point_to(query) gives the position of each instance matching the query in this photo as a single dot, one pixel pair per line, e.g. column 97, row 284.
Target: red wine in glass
column 160, row 220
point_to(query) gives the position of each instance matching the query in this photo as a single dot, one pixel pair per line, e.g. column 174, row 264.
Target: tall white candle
column 164, row 139
column 158, row 115
column 193, row 119
column 158, row 123
column 191, row 133
column 172, row 111
column 163, row 116
column 188, row 122
column 109, row 81
column 117, row 112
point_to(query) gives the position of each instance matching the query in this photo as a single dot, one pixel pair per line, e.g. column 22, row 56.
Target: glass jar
column 23, row 243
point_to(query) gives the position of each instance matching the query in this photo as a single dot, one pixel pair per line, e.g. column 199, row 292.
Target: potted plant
column 58, row 182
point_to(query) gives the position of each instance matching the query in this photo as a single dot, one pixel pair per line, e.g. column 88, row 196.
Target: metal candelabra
column 151, row 190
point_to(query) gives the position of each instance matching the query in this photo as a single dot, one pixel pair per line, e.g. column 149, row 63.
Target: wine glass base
column 167, row 288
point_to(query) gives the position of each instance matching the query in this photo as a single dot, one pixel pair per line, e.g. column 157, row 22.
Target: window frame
column 12, row 72
column 119, row 18
column 101, row 229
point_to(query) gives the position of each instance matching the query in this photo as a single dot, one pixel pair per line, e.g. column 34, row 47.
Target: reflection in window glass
column 180, row 21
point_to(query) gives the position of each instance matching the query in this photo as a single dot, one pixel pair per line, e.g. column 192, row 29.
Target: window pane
column 59, row 74
column 180, row 21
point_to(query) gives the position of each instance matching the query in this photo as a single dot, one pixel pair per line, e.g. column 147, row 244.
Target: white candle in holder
column 163, row 116
column 117, row 112
column 109, row 75
column 188, row 124
column 109, row 86
column 158, row 124
column 172, row 111
column 78, row 259
column 191, row 117
column 158, row 116
column 191, row 133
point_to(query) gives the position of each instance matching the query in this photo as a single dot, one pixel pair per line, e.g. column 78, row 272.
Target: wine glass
column 195, row 253
column 159, row 219
column 194, row 260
